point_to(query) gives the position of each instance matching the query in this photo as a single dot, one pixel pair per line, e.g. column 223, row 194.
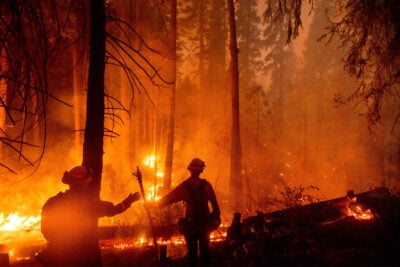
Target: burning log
column 354, row 229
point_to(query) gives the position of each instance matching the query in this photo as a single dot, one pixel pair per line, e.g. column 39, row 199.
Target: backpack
column 202, row 219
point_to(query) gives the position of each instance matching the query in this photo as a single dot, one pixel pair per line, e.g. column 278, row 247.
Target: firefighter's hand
column 131, row 198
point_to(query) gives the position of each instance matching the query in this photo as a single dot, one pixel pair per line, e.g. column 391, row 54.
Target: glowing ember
column 359, row 213
column 356, row 210
column 218, row 237
column 176, row 240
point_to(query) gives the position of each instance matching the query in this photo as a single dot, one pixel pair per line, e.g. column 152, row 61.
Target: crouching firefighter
column 69, row 222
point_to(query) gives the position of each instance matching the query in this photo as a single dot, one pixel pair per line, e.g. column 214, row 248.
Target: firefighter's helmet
column 76, row 175
column 196, row 164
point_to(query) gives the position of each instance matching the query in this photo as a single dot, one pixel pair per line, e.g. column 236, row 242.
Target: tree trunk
column 78, row 99
column 202, row 73
column 94, row 131
column 171, row 132
column 3, row 101
column 236, row 175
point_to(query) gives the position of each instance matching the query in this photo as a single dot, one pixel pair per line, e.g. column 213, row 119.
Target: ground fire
column 353, row 229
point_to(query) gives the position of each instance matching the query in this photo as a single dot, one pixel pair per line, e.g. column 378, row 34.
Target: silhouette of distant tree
column 236, row 175
column 171, row 129
column 32, row 35
column 370, row 34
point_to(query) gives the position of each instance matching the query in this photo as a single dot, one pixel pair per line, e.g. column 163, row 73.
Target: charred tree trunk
column 236, row 174
column 202, row 73
column 3, row 102
column 94, row 131
column 171, row 132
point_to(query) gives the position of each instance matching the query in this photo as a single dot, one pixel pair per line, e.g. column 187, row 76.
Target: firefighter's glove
column 127, row 202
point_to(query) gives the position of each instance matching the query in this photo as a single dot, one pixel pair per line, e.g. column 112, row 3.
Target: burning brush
column 357, row 209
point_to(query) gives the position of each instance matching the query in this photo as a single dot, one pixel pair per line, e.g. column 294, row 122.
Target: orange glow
column 359, row 213
column 18, row 222
column 152, row 193
column 14, row 222
column 218, row 236
column 150, row 161
column 176, row 240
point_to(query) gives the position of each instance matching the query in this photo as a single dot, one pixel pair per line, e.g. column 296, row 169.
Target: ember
column 175, row 245
column 359, row 213
column 356, row 208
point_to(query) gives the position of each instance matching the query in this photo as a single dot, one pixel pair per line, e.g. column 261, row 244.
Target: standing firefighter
column 198, row 222
column 69, row 222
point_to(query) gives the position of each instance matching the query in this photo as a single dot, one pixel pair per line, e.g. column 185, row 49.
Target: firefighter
column 69, row 222
column 198, row 222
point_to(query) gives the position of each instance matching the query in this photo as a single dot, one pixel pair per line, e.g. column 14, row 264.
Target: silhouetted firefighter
column 198, row 222
column 69, row 222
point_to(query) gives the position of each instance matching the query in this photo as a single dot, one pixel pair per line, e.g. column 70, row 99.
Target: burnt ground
column 308, row 236
column 347, row 242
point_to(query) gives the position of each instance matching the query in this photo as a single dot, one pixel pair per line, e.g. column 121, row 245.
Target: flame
column 152, row 193
column 17, row 222
column 176, row 240
column 14, row 222
column 359, row 213
column 150, row 161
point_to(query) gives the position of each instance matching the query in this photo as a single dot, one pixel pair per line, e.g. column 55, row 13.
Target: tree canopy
column 369, row 32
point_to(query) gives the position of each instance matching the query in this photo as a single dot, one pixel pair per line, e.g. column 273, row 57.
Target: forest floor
column 345, row 241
